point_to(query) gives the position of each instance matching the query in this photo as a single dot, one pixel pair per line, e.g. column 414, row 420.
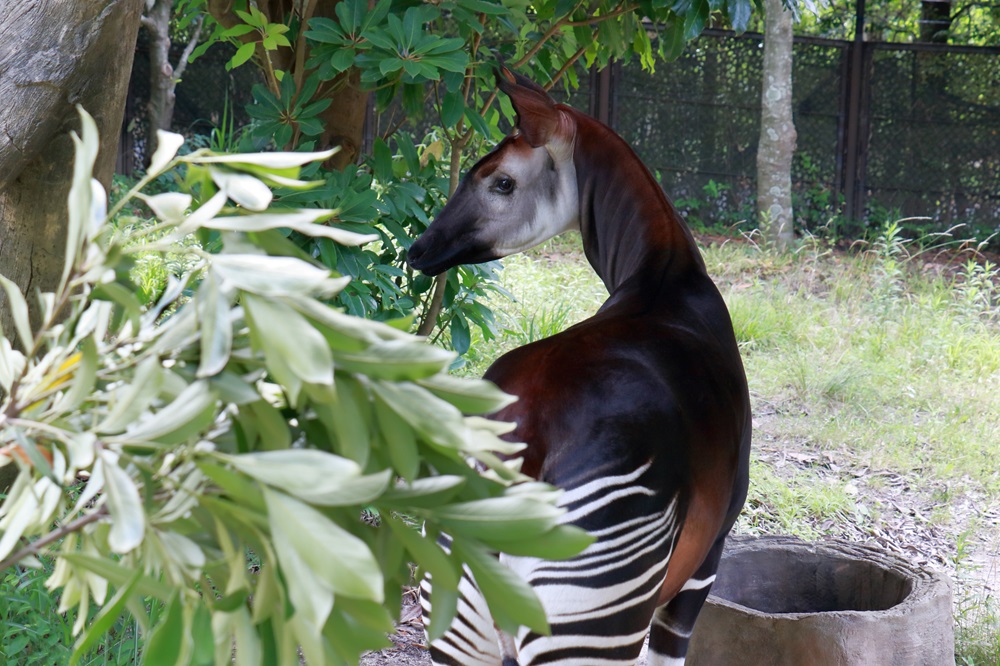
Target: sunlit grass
column 885, row 357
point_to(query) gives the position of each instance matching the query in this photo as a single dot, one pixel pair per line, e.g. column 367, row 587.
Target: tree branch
column 36, row 546
column 565, row 67
column 188, row 49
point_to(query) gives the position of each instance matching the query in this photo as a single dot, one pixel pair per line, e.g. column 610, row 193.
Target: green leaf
column 421, row 493
column 314, row 476
column 452, row 108
column 128, row 518
column 190, row 412
column 559, row 543
column 216, row 329
column 461, row 338
column 472, row 396
column 396, row 360
column 165, row 644
column 512, row 602
column 400, row 440
column 104, row 619
column 347, row 419
column 132, row 399
column 498, row 517
column 695, row 20
column 426, row 553
column 244, row 53
column 739, row 12
column 19, row 312
column 295, row 351
column 333, row 559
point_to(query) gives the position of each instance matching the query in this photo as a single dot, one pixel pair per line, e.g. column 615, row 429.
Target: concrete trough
column 780, row 601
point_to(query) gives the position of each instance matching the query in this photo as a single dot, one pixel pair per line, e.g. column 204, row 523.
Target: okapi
column 640, row 413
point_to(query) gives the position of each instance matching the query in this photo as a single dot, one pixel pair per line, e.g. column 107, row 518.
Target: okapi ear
column 537, row 117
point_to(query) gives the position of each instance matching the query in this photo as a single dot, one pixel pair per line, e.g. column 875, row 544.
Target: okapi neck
column 630, row 230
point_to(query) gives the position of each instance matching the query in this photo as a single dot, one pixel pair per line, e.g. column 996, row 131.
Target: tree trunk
column 54, row 54
column 777, row 130
column 161, row 73
column 935, row 21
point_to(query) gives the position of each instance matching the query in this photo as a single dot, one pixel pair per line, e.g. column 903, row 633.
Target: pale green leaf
column 512, row 602
column 169, row 206
column 84, row 376
column 396, row 360
column 188, row 407
column 425, row 493
column 277, row 160
column 216, row 329
column 81, row 191
column 434, row 420
column 128, row 518
column 104, row 619
column 276, row 276
column 118, row 574
column 236, row 627
column 302, row 220
column 244, row 189
column 20, row 513
column 203, row 213
column 314, row 476
column 499, row 517
column 333, row 555
column 290, row 344
column 18, row 308
column 472, row 396
column 12, row 364
column 130, row 400
column 168, row 143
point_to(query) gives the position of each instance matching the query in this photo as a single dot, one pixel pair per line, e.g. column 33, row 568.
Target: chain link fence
column 927, row 143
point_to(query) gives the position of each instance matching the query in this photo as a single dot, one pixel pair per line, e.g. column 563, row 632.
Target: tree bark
column 777, row 130
column 54, row 54
column 935, row 21
column 156, row 21
column 163, row 77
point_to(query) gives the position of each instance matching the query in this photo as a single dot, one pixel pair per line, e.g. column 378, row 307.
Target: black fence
column 921, row 138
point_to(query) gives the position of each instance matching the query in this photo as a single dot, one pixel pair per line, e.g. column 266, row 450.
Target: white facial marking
column 544, row 201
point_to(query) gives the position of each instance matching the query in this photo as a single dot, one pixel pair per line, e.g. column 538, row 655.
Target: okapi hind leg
column 673, row 622
column 472, row 638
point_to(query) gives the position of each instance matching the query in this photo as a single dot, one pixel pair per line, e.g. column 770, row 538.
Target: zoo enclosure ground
column 875, row 379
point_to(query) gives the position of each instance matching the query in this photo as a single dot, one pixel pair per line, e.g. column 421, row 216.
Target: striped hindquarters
column 600, row 602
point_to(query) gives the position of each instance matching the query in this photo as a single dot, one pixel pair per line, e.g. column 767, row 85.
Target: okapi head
column 522, row 193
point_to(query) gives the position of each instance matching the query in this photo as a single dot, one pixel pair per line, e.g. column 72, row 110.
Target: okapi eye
column 503, row 185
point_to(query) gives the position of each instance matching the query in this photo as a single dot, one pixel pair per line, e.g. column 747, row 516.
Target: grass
column 871, row 373
column 875, row 380
column 34, row 633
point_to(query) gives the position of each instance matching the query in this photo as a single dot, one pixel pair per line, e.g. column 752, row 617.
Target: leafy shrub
column 157, row 446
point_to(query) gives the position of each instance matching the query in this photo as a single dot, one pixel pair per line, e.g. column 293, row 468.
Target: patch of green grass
column 887, row 356
column 34, row 633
